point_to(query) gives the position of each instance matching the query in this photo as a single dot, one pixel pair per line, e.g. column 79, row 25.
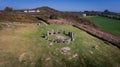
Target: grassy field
column 109, row 25
column 23, row 46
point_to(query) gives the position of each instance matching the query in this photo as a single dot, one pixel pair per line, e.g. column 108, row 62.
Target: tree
column 53, row 16
column 8, row 9
column 106, row 11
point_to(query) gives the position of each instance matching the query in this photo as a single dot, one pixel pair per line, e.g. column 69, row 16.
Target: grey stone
column 65, row 49
column 95, row 47
column 47, row 34
column 47, row 59
column 50, row 43
column 52, row 32
column 64, row 32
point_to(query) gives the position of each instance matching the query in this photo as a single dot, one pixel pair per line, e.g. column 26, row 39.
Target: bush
column 8, row 9
column 53, row 16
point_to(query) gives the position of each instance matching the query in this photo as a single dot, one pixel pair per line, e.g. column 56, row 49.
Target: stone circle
column 61, row 36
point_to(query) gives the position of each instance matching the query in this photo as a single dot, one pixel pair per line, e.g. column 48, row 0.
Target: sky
column 64, row 5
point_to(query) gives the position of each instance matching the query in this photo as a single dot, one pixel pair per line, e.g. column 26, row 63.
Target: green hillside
column 23, row 46
column 109, row 25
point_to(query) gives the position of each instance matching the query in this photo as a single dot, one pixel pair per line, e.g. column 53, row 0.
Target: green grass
column 23, row 46
column 109, row 25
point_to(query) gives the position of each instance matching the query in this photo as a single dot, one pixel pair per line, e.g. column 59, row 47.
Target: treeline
column 92, row 13
column 106, row 13
column 7, row 9
column 111, row 15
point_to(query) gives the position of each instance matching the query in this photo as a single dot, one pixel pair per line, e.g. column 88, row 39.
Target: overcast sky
column 64, row 5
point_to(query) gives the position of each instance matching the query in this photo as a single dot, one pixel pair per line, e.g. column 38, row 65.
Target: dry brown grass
column 15, row 41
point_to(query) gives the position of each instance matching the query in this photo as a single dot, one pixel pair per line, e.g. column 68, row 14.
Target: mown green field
column 109, row 25
column 23, row 46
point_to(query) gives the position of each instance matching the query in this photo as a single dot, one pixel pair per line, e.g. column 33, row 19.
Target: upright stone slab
column 59, row 32
column 48, row 33
column 71, row 35
column 38, row 24
column 55, row 32
column 46, row 36
column 52, row 32
column 64, row 32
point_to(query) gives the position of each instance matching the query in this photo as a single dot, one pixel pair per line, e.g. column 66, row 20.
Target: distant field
column 23, row 46
column 109, row 25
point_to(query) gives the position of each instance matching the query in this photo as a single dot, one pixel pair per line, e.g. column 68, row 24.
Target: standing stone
column 38, row 24
column 52, row 32
column 47, row 33
column 64, row 32
column 46, row 36
column 59, row 32
column 55, row 32
column 72, row 37
column 70, row 34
